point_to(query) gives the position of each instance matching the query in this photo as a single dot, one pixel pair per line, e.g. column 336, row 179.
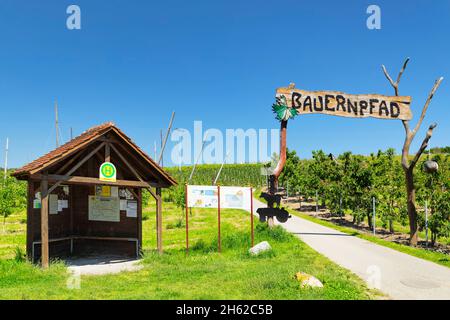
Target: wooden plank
column 44, row 224
column 347, row 105
column 94, row 181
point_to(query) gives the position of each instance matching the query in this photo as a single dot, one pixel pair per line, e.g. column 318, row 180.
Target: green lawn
column 203, row 274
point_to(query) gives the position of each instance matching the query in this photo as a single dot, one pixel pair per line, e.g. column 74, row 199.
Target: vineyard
column 345, row 184
column 231, row 174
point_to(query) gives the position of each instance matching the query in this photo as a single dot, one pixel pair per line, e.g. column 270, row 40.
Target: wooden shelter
column 74, row 209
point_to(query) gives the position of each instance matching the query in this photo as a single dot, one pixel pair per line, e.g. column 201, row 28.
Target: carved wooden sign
column 292, row 102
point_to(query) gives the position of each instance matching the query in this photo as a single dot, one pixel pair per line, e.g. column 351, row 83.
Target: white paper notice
column 62, row 204
column 60, row 207
column 123, row 204
column 132, row 209
column 115, row 192
column 53, row 204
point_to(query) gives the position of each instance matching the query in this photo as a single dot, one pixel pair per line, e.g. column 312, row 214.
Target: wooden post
column 187, row 218
column 159, row 220
column 30, row 211
column 139, row 220
column 44, row 223
column 107, row 153
column 218, row 219
column 251, row 217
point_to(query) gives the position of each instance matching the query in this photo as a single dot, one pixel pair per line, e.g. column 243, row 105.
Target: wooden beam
column 94, row 181
column 107, row 152
column 44, row 224
column 69, row 163
column 159, row 220
column 78, row 165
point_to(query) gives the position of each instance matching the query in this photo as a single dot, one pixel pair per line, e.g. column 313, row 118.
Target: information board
column 104, row 209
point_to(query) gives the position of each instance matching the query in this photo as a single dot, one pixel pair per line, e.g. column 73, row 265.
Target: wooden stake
column 187, row 217
column 44, row 224
column 6, row 159
column 251, row 217
column 219, row 246
column 56, row 124
column 163, row 143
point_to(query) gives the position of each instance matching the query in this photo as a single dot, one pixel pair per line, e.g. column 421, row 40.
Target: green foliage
column 12, row 196
column 347, row 184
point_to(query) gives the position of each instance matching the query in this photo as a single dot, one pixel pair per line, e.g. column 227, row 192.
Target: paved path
column 100, row 265
column 397, row 274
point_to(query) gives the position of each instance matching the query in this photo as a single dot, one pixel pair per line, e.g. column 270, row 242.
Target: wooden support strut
column 78, row 165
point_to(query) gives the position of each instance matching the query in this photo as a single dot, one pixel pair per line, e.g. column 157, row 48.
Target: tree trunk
column 369, row 220
column 391, row 226
column 411, row 205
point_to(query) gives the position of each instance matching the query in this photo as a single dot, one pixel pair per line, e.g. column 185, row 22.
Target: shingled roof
column 74, row 145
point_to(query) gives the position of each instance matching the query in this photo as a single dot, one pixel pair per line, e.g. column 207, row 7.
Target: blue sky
column 134, row 62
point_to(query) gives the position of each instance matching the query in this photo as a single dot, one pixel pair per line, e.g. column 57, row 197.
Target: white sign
column 53, row 204
column 132, row 209
column 104, row 209
column 202, row 196
column 235, row 198
column 123, row 204
column 230, row 197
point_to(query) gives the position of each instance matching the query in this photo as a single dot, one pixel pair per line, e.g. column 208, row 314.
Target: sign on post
column 218, row 197
column 107, row 172
column 343, row 104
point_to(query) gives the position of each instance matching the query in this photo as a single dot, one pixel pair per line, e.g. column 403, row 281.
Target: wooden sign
column 342, row 104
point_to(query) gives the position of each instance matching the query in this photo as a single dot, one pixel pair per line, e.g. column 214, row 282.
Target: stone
column 307, row 280
column 260, row 247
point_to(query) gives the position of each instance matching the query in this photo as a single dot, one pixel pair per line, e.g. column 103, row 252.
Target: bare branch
column 401, row 71
column 393, row 84
column 423, row 146
column 437, row 83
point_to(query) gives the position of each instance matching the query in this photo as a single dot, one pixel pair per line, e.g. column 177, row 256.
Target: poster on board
column 202, row 196
column 230, row 197
column 104, row 209
column 53, row 204
column 235, row 198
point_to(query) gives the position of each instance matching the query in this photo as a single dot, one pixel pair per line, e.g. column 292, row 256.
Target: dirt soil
column 309, row 208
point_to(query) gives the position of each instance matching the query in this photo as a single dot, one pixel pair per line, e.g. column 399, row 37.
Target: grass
column 203, row 274
column 429, row 255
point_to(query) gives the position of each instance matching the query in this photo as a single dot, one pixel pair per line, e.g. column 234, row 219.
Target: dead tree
column 407, row 164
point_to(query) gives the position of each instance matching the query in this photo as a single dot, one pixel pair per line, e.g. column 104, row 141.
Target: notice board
column 104, row 209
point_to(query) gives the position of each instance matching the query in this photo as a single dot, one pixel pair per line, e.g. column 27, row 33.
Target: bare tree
column 407, row 164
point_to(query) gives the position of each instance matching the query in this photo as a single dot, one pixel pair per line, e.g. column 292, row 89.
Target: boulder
column 260, row 247
column 307, row 280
